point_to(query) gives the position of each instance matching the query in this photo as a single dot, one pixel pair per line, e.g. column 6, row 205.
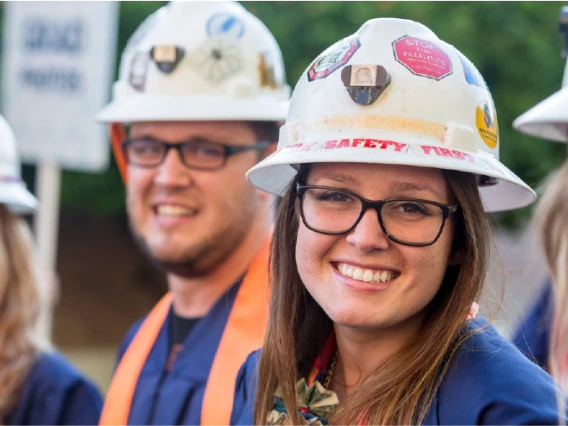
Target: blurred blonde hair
column 551, row 218
column 19, row 308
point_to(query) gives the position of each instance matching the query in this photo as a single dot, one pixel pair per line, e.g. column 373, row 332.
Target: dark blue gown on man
column 488, row 382
column 172, row 384
column 55, row 393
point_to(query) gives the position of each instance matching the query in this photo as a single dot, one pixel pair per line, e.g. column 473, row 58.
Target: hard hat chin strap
column 117, row 135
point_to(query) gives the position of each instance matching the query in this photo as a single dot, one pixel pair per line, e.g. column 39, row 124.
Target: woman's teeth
column 365, row 275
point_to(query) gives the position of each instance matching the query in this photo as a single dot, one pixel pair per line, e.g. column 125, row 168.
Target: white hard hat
column 13, row 192
column 394, row 93
column 547, row 119
column 200, row 61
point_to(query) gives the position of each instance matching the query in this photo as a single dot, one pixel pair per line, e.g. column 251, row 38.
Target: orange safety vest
column 243, row 334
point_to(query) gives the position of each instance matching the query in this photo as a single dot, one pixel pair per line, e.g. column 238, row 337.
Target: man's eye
column 145, row 148
column 211, row 151
column 203, row 150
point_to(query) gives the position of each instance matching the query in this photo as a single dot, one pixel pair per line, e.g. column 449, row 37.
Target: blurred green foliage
column 515, row 45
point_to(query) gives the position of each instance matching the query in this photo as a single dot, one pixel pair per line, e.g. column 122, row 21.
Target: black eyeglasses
column 407, row 221
column 201, row 155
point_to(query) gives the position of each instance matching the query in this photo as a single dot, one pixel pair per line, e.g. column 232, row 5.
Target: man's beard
column 197, row 261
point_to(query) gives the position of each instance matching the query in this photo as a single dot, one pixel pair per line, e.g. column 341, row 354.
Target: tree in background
column 515, row 45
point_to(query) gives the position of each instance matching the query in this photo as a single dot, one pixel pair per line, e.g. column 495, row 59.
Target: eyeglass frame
column 228, row 150
column 377, row 205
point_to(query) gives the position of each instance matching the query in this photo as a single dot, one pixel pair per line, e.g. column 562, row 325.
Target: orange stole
column 117, row 134
column 243, row 334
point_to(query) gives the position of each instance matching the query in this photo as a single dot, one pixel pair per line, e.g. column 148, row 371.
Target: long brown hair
column 402, row 389
column 19, row 305
column 550, row 218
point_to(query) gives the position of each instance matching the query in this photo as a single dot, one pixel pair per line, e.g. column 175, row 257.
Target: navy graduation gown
column 488, row 382
column 55, row 393
column 533, row 336
column 176, row 397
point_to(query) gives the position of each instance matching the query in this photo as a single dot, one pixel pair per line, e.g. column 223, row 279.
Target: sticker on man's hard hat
column 225, row 24
column 138, row 70
column 486, row 122
column 266, row 71
column 422, row 57
column 167, row 57
column 334, row 58
column 472, row 76
column 216, row 59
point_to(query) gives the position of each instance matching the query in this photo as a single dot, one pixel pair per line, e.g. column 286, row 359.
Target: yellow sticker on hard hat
column 266, row 71
column 486, row 122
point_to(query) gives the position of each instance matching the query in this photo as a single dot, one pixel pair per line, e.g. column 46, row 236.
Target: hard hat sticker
column 486, row 122
column 337, row 56
column 365, row 143
column 216, row 59
column 365, row 83
column 166, row 57
column 266, row 71
column 387, row 145
column 437, row 154
column 225, row 24
column 422, row 57
column 446, row 153
column 138, row 70
column 472, row 76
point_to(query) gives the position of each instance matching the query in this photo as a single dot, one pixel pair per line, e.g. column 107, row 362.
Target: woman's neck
column 362, row 351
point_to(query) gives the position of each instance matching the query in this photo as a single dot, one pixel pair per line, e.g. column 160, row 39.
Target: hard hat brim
column 17, row 198
column 275, row 173
column 147, row 107
column 548, row 119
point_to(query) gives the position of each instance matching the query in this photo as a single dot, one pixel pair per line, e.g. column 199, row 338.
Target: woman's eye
column 412, row 208
column 334, row 196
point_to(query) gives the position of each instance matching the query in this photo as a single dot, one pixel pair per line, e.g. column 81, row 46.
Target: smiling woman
column 381, row 246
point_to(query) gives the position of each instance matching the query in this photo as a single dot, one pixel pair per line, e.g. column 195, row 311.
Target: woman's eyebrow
column 337, row 177
column 414, row 186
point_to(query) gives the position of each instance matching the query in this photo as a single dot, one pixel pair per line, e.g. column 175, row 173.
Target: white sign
column 57, row 69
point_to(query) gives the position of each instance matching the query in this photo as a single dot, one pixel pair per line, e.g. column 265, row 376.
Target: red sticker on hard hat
column 442, row 152
column 472, row 76
column 334, row 58
column 422, row 57
column 486, row 122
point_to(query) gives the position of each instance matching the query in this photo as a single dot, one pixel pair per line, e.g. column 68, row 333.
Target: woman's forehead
column 400, row 177
column 383, row 180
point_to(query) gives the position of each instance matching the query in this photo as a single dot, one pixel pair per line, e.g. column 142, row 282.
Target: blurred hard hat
column 200, row 61
column 547, row 119
column 394, row 93
column 13, row 192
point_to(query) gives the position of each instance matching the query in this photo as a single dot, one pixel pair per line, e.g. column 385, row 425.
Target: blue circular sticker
column 225, row 24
